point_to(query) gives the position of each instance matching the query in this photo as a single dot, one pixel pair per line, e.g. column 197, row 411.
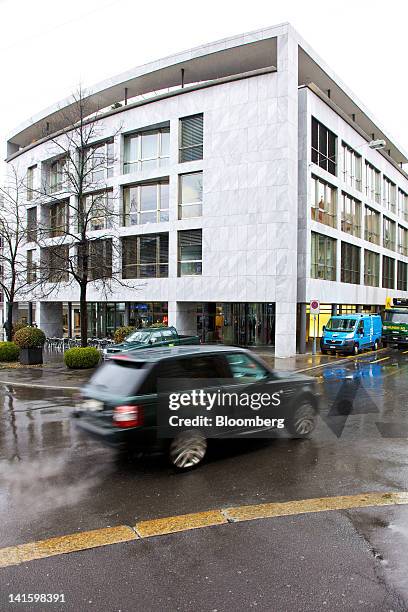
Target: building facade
column 243, row 186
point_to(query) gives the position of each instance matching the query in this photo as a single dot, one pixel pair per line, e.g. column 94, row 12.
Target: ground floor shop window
column 240, row 324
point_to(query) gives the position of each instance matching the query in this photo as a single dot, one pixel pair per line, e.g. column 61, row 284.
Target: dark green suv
column 120, row 405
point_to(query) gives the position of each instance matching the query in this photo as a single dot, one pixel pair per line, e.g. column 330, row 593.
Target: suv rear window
column 116, row 376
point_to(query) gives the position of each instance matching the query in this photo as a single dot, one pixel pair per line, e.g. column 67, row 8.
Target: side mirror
column 324, row 328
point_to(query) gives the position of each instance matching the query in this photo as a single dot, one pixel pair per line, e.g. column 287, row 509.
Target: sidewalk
column 53, row 374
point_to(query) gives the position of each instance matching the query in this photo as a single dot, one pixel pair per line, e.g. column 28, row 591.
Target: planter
column 31, row 356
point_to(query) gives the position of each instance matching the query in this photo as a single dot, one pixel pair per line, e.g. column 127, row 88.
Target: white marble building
column 256, row 95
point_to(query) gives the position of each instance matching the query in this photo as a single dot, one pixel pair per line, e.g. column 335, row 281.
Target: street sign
column 314, row 307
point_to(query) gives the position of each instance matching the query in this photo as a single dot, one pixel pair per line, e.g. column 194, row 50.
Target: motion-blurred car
column 120, row 403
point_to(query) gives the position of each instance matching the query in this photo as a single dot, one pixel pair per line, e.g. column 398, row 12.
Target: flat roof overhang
column 237, row 55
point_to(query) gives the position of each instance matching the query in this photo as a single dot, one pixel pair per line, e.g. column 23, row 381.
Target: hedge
column 81, row 357
column 29, row 337
column 9, row 351
column 122, row 332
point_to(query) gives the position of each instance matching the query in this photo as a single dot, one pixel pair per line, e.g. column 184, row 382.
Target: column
column 302, row 329
column 286, row 263
column 183, row 316
column 49, row 318
column 30, row 313
column 69, row 317
column 334, row 309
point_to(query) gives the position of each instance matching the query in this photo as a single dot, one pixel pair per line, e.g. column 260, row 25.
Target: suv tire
column 187, row 450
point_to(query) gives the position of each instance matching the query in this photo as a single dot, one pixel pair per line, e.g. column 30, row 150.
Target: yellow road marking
column 14, row 555
column 319, row 504
column 403, row 352
column 365, row 354
column 378, row 360
column 183, row 522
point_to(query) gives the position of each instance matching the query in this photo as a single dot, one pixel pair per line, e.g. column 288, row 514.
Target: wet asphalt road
column 55, row 481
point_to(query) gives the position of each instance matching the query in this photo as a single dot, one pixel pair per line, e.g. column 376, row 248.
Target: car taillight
column 128, row 416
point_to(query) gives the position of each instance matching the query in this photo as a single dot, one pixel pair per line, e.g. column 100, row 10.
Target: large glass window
column 372, row 225
column 403, row 204
column 191, row 138
column 100, row 160
column 31, row 224
column 373, row 183
column 146, row 203
column 100, row 259
column 388, row 272
column 323, row 257
column 190, row 195
column 389, row 195
column 324, row 202
column 57, row 175
column 99, row 210
column 351, row 167
column 146, row 150
column 402, row 240
column 323, row 147
column 371, row 268
column 31, row 178
column 54, row 263
column 31, row 266
column 58, row 219
column 190, row 252
column 145, row 256
column 350, row 263
column 388, row 234
column 350, row 215
column 402, row 276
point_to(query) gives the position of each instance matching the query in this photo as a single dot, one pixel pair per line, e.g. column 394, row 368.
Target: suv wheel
column 303, row 420
column 187, row 450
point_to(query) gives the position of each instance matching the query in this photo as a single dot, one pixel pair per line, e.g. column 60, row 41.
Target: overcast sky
column 47, row 47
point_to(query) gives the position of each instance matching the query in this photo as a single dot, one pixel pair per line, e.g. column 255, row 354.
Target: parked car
column 120, row 403
column 351, row 333
column 150, row 337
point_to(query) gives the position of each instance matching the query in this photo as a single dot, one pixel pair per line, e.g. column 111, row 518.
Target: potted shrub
column 31, row 342
column 9, row 351
column 82, row 357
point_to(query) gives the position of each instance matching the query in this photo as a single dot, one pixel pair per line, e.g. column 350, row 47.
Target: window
column 350, row 263
column 57, row 175
column 31, row 266
column 350, row 215
column 388, row 272
column 99, row 211
column 145, row 256
column 403, row 205
column 372, row 225
column 373, row 183
column 169, row 334
column 244, row 368
column 371, row 268
column 323, row 147
column 31, row 224
column 99, row 259
column 31, row 179
column 323, row 257
column 54, row 262
column 191, row 138
column 389, row 195
column 146, row 203
column 402, row 240
column 189, row 252
column 190, row 195
column 146, row 150
column 100, row 160
column 351, row 167
column 324, row 202
column 388, row 234
column 58, row 219
column 402, row 276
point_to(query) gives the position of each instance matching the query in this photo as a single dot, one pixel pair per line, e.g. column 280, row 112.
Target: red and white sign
column 314, row 307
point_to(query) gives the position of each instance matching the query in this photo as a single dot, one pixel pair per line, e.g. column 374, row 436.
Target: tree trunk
column 83, row 310
column 9, row 322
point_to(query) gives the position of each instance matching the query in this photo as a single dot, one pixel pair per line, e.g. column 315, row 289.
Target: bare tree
column 76, row 228
column 15, row 278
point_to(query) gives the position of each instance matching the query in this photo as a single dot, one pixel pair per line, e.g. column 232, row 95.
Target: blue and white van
column 351, row 333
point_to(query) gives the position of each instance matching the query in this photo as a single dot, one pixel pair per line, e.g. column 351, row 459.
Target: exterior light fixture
column 377, row 144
